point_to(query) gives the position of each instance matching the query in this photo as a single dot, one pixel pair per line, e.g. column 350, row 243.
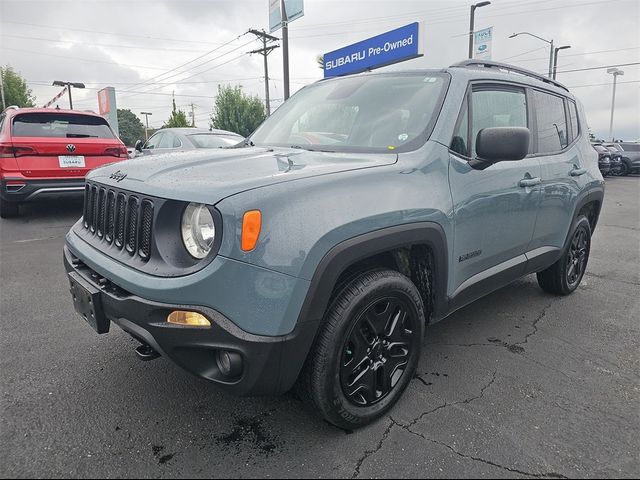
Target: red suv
column 45, row 152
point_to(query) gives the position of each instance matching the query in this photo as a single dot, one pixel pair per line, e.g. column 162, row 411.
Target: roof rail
column 509, row 68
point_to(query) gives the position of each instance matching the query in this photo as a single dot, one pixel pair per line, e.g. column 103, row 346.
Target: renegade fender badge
column 118, row 176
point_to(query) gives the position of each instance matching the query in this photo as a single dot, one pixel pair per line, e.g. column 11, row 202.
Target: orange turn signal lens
column 190, row 319
column 251, row 225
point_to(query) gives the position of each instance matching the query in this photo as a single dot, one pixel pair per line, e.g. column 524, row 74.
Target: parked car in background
column 616, row 161
column 181, row 139
column 45, row 152
column 630, row 156
column 604, row 159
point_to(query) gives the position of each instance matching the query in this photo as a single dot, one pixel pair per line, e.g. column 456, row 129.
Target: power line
column 599, row 68
column 59, row 27
column 111, row 45
column 580, row 54
column 190, row 61
column 603, row 84
column 80, row 58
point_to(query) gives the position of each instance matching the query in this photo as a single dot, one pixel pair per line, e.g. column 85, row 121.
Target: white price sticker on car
column 71, row 161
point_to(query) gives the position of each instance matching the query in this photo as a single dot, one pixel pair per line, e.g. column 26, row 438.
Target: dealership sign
column 294, row 9
column 391, row 47
column 482, row 44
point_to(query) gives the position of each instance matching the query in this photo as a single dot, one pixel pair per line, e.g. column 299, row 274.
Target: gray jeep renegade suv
column 315, row 253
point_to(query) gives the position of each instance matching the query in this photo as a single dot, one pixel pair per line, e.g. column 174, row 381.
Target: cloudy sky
column 148, row 50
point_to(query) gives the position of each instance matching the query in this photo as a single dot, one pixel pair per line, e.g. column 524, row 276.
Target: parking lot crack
column 479, row 459
column 447, row 404
column 534, row 324
column 369, row 453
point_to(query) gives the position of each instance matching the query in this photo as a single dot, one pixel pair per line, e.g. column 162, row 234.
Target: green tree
column 130, row 127
column 320, row 61
column 237, row 112
column 177, row 118
column 15, row 89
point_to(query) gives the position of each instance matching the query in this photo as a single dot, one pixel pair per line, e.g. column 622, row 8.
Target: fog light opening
column 190, row 319
column 229, row 363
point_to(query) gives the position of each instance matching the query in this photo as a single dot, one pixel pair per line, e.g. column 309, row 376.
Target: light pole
column 615, row 72
column 146, row 130
column 550, row 42
column 472, row 24
column 555, row 58
column 59, row 83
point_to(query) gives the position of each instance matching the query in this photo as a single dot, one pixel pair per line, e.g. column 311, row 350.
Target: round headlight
column 198, row 230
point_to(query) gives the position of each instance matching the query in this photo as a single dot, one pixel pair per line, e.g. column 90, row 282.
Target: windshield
column 382, row 112
column 60, row 125
column 213, row 140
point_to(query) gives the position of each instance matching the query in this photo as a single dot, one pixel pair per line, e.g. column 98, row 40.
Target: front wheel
column 624, row 169
column 564, row 276
column 367, row 350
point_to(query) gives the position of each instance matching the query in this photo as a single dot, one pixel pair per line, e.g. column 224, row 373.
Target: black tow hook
column 146, row 353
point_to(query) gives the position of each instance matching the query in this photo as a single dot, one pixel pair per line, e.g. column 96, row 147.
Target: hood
column 208, row 176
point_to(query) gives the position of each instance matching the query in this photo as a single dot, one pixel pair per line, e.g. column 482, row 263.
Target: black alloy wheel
column 577, row 257
column 377, row 350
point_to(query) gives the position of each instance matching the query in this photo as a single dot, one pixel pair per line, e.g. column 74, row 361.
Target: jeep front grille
column 119, row 219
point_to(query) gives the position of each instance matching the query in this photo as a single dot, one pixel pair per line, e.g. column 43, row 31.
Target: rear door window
column 60, row 125
column 551, row 122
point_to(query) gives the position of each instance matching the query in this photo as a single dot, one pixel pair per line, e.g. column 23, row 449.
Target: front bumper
column 24, row 190
column 270, row 365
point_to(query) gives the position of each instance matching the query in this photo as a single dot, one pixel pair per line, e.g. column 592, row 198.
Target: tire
column 366, row 351
column 564, row 276
column 624, row 169
column 8, row 209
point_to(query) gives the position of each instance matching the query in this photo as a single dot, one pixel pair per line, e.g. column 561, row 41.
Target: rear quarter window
column 60, row 125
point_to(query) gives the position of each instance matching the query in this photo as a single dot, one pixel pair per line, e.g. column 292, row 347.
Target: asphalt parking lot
column 519, row 384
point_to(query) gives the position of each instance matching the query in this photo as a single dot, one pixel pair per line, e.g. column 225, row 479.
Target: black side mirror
column 500, row 144
column 139, row 144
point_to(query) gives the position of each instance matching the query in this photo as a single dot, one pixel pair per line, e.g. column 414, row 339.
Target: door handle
column 576, row 172
column 530, row 182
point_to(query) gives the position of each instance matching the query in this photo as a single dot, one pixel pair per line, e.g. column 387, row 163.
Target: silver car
column 181, row 139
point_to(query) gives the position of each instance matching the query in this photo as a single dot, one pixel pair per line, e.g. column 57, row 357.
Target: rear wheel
column 367, row 350
column 8, row 209
column 564, row 276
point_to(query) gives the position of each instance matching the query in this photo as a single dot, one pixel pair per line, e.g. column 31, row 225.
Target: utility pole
column 264, row 51
column 146, row 130
column 472, row 24
column 193, row 116
column 285, row 49
column 615, row 72
column 551, row 52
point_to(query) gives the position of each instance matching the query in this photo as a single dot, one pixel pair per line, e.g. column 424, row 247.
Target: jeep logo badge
column 71, row 147
column 118, row 176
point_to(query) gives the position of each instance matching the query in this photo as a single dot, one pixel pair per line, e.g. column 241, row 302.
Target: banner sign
column 294, row 9
column 482, row 44
column 388, row 48
column 53, row 100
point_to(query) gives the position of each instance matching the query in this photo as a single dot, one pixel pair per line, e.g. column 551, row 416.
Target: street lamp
column 58, row 83
column 472, row 24
column 555, row 58
column 550, row 42
column 146, row 130
column 615, row 72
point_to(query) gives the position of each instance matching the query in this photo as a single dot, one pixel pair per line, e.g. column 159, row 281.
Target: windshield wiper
column 300, row 147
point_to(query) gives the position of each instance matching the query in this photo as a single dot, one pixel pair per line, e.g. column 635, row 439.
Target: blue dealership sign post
column 386, row 49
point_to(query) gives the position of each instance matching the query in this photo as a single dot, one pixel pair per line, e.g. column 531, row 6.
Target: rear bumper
column 270, row 365
column 25, row 190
